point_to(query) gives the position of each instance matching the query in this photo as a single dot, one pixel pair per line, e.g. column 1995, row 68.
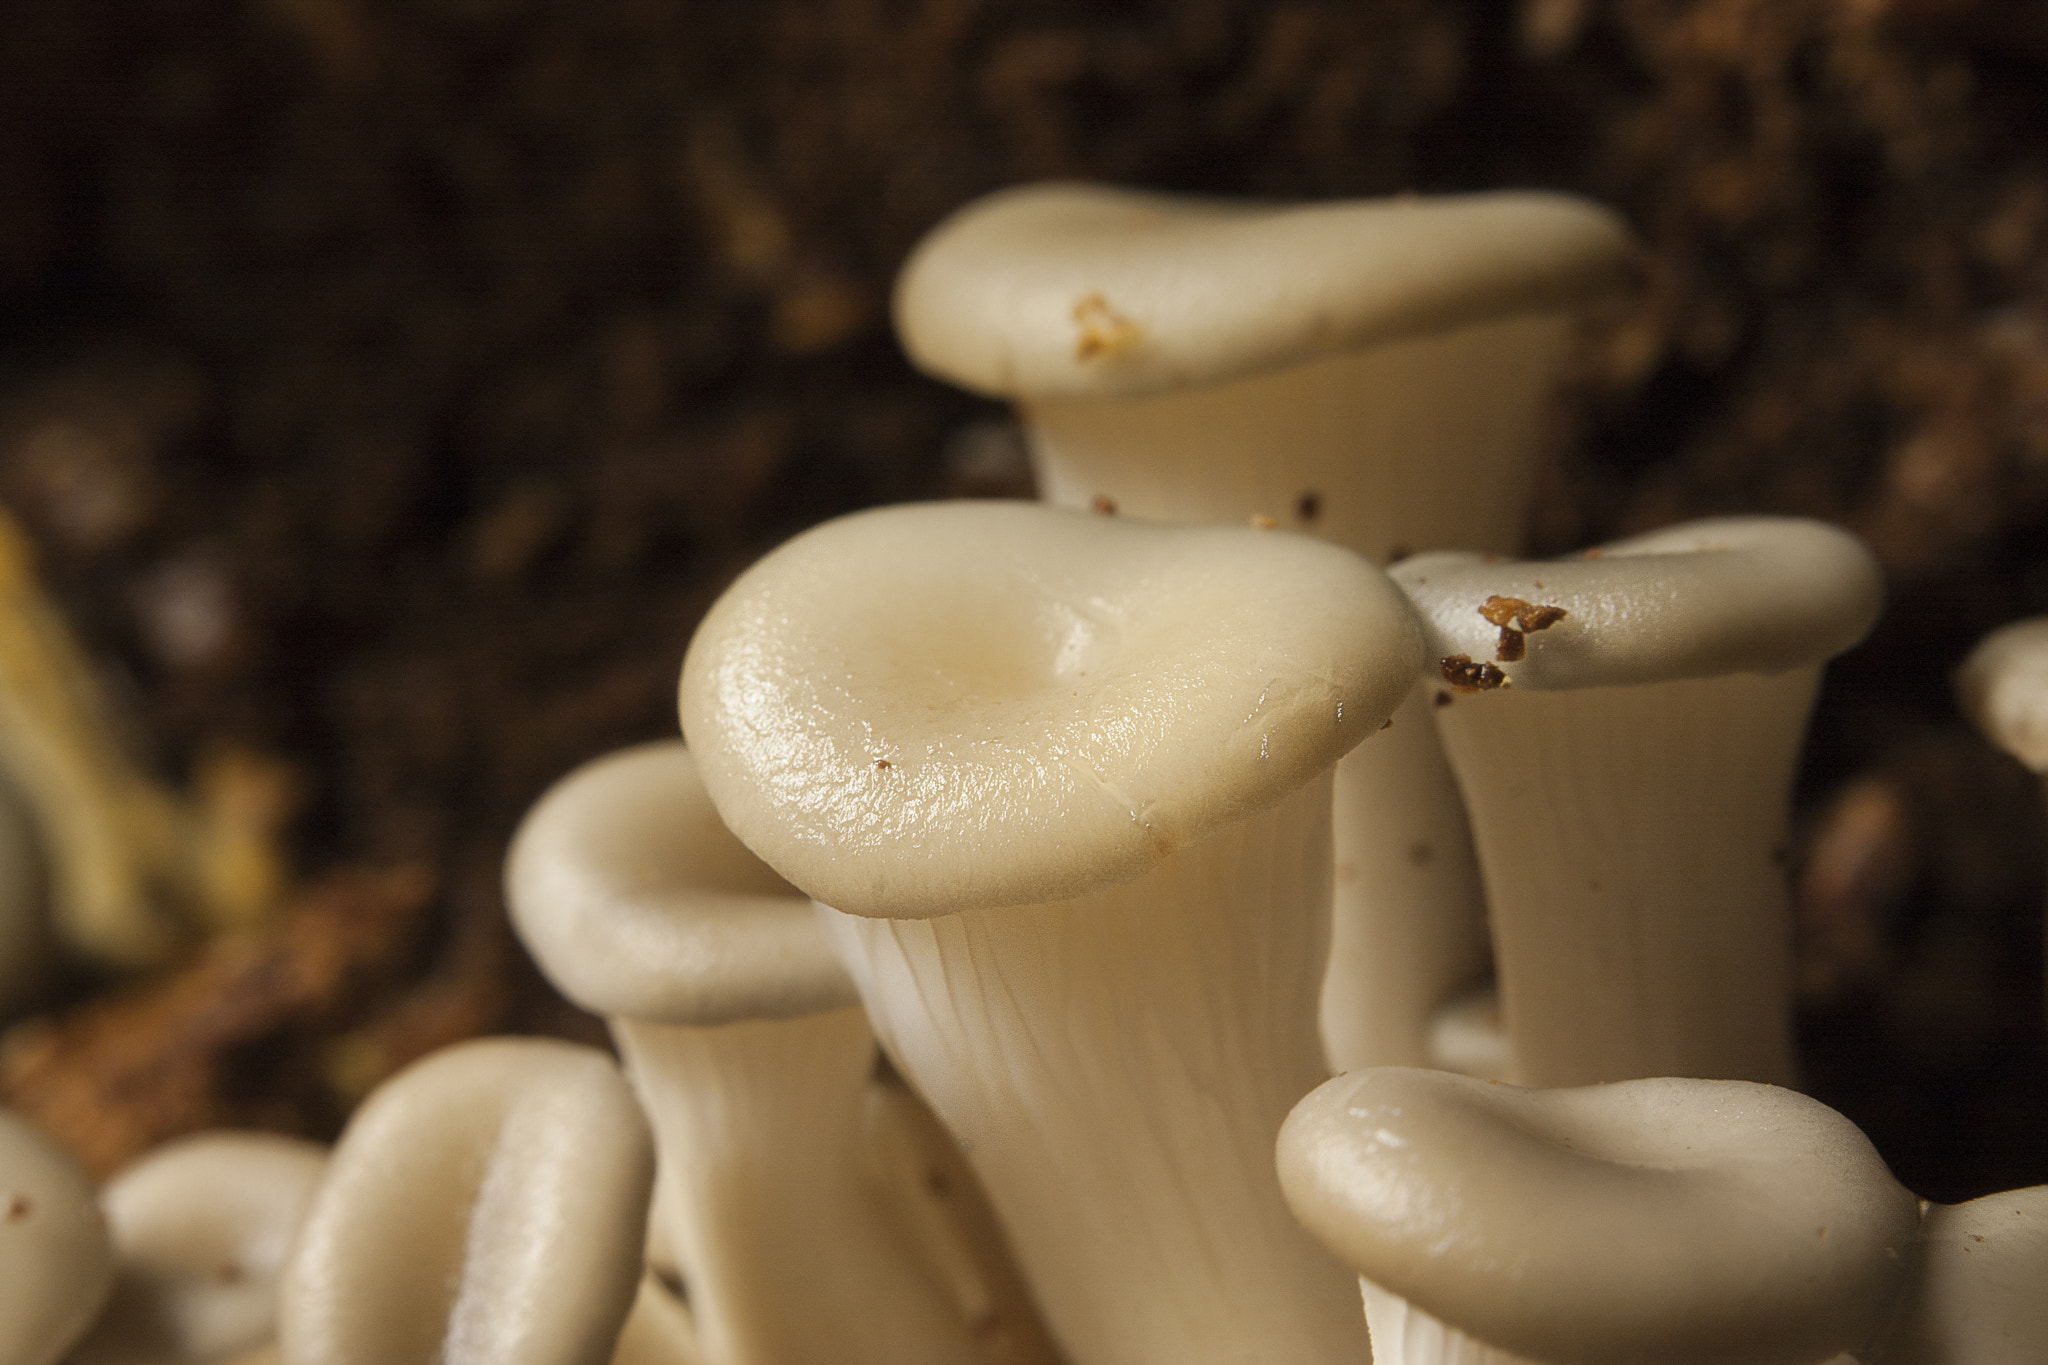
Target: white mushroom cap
column 1071, row 290
column 56, row 1263
column 637, row 902
column 201, row 1226
column 1979, row 1292
column 2004, row 687
column 1722, row 595
column 1639, row 1222
column 485, row 1206
column 919, row 710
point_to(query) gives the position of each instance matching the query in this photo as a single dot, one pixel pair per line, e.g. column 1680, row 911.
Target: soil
column 389, row 386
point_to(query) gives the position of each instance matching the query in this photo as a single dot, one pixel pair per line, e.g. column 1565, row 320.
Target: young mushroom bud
column 1064, row 781
column 485, row 1206
column 200, row 1228
column 1651, row 1222
column 1625, row 727
column 745, row 1040
column 56, row 1263
column 2004, row 689
column 1374, row 372
column 1978, row 1293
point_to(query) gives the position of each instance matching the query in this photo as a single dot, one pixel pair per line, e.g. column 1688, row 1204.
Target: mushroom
column 2004, row 689
column 745, row 1040
column 1063, row 782
column 56, row 1263
column 1978, row 1294
column 1624, row 727
column 1647, row 1222
column 485, row 1206
column 1374, row 372
column 200, row 1229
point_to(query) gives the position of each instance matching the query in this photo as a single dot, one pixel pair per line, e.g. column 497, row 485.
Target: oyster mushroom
column 1646, row 1222
column 56, row 1263
column 745, row 1040
column 1624, row 727
column 1063, row 782
column 1373, row 372
column 1978, row 1293
column 485, row 1206
column 2004, row 689
column 200, row 1229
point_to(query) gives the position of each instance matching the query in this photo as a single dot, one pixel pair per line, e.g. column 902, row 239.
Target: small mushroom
column 1629, row 779
column 1650, row 1222
column 2004, row 689
column 200, row 1229
column 745, row 1040
column 56, row 1263
column 485, row 1206
column 1978, row 1293
column 1086, row 902
column 1374, row 372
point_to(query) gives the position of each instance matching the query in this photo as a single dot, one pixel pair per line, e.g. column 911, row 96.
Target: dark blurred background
column 387, row 386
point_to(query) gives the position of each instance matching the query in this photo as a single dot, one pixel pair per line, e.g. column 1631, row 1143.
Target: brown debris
column 223, row 1041
column 1466, row 676
column 1104, row 331
column 1103, row 505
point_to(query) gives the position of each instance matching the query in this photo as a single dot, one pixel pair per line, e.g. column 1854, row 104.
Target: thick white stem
column 1632, row 840
column 1408, row 930
column 1421, row 444
column 1116, row 1068
column 788, row 1255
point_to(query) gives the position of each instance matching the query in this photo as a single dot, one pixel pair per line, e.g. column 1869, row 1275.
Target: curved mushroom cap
column 201, row 1226
column 2004, row 688
column 1980, row 1284
column 1654, row 1220
column 1698, row 600
column 1077, row 290
column 920, row 710
column 486, row 1204
column 56, row 1263
column 637, row 902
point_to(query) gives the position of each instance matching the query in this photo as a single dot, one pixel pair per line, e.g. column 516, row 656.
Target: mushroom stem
column 790, row 1255
column 1115, row 1067
column 1632, row 839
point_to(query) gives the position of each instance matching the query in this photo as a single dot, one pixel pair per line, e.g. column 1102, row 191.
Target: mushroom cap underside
column 1077, row 290
column 920, row 710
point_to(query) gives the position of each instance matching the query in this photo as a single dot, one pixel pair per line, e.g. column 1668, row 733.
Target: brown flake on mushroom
column 1465, row 675
column 1102, row 505
column 1103, row 330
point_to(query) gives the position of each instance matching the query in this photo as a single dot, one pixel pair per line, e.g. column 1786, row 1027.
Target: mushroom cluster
column 979, row 961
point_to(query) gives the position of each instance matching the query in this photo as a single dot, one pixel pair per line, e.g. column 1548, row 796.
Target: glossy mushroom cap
column 920, row 710
column 638, row 903
column 1084, row 290
column 201, row 1226
column 485, row 1206
column 1642, row 1221
column 2004, row 687
column 1722, row 595
column 56, row 1263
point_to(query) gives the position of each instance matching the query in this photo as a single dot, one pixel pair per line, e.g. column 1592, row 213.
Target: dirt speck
column 1104, row 331
column 1464, row 675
